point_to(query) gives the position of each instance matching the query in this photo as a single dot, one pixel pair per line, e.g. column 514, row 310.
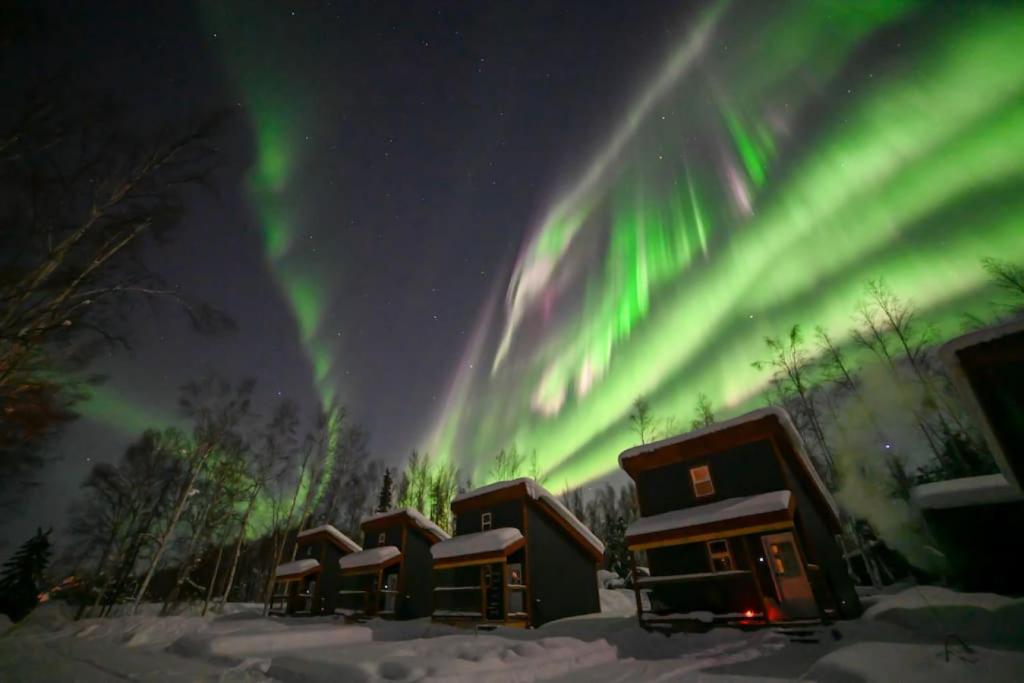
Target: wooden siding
column 561, row 575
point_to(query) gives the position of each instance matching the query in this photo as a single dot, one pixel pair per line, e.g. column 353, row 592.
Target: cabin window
column 701, row 479
column 381, row 538
column 485, row 521
column 721, row 557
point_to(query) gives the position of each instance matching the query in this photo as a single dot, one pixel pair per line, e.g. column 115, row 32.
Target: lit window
column 485, row 521
column 784, row 559
column 701, row 479
column 381, row 538
column 721, row 558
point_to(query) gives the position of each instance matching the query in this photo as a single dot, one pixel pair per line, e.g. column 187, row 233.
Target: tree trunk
column 161, row 545
column 185, row 570
column 238, row 549
column 213, row 579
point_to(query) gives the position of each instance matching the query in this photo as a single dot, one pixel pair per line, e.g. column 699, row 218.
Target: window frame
column 720, row 554
column 486, row 521
column 709, row 481
column 382, row 538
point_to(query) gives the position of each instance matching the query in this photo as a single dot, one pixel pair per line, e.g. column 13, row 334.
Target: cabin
column 309, row 584
column 736, row 527
column 390, row 578
column 969, row 517
column 518, row 558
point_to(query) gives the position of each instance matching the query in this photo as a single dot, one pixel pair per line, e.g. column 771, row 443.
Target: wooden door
column 790, row 576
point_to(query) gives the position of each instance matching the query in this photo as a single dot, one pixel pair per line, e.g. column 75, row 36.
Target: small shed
column 518, row 558
column 736, row 523
column 391, row 577
column 309, row 584
column 969, row 517
column 987, row 368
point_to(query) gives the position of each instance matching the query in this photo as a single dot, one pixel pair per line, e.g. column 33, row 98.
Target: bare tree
column 641, row 421
column 80, row 198
column 703, row 414
column 508, row 464
column 1009, row 277
column 790, row 365
column 217, row 409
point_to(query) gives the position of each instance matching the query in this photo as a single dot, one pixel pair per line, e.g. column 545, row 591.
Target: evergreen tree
column 22, row 576
column 385, row 496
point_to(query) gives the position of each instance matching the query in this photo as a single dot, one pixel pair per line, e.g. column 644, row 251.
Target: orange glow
column 749, row 613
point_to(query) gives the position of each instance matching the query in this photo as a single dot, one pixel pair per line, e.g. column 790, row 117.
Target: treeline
column 207, row 514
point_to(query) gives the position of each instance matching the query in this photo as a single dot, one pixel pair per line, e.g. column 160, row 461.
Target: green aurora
column 753, row 185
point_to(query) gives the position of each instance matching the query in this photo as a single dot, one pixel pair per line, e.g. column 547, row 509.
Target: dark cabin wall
column 561, row 576
column 505, row 514
column 392, row 536
column 330, row 578
column 820, row 547
column 418, row 576
column 995, row 371
column 745, row 470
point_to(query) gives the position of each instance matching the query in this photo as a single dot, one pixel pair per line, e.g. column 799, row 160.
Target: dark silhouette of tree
column 386, row 495
column 21, row 579
column 703, row 414
column 641, row 421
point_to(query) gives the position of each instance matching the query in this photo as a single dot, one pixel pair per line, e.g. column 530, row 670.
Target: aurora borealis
column 479, row 225
column 751, row 185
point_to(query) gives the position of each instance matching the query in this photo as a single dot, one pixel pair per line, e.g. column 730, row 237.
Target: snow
column 603, row 648
column 906, row 662
column 371, row 557
column 492, row 541
column 617, row 602
column 730, row 508
column 988, row 489
column 417, row 518
column 343, row 540
column 296, row 567
column 538, row 493
column 785, row 421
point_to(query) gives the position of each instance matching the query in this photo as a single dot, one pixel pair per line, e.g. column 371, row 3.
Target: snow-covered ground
column 900, row 638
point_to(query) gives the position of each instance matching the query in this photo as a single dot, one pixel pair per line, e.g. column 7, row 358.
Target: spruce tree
column 22, row 576
column 385, row 497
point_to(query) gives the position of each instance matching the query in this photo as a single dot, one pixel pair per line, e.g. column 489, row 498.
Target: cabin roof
column 738, row 510
column 987, row 489
column 492, row 541
column 411, row 517
column 339, row 539
column 531, row 490
column 297, row 568
column 371, row 557
column 792, row 448
column 984, row 335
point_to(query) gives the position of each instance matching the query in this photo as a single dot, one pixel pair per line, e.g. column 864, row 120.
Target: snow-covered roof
column 341, row 539
column 302, row 566
column 481, row 542
column 772, row 411
column 371, row 557
column 953, row 493
column 720, row 511
column 542, row 495
column 417, row 517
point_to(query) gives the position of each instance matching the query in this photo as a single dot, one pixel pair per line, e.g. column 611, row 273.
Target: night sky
column 486, row 224
column 425, row 139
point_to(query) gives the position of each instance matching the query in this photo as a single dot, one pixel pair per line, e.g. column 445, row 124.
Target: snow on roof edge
column 779, row 413
column 492, row 540
column 710, row 513
column 296, row 567
column 988, row 489
column 331, row 531
column 371, row 557
column 539, row 493
column 418, row 517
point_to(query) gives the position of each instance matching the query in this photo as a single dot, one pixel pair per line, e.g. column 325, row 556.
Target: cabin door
column 787, row 567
